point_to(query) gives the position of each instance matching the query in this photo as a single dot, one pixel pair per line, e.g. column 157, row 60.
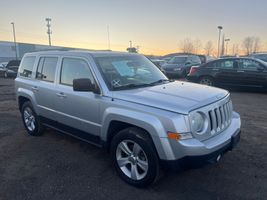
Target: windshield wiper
column 130, row 86
column 133, row 85
column 160, row 81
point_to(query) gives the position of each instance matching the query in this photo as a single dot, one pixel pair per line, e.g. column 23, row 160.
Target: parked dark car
column 260, row 56
column 12, row 69
column 240, row 72
column 179, row 66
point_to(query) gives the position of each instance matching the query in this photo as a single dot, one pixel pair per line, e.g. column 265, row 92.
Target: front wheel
column 134, row 157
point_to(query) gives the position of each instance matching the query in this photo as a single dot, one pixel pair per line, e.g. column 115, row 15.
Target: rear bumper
column 203, row 159
column 174, row 74
column 192, row 79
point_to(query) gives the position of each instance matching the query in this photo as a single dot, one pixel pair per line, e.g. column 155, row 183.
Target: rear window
column 46, row 69
column 26, row 66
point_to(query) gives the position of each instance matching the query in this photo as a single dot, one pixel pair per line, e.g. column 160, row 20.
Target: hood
column 178, row 96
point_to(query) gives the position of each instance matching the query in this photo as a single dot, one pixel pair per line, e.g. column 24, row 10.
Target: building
column 7, row 49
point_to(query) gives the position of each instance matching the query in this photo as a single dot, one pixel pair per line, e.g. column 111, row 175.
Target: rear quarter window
column 26, row 67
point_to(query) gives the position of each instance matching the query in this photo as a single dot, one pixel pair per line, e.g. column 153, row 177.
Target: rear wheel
column 30, row 120
column 206, row 80
column 134, row 157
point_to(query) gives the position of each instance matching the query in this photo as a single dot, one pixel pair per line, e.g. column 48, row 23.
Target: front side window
column 73, row 68
column 129, row 71
column 46, row 69
column 249, row 65
column 26, row 66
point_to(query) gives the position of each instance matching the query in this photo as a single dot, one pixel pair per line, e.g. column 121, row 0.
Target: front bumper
column 202, row 159
column 204, row 150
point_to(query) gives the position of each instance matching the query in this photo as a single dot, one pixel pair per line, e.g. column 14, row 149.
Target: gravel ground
column 56, row 166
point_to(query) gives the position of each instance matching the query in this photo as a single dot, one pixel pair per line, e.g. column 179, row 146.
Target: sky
column 156, row 26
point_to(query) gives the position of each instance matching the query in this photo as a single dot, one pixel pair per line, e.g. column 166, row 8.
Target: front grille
column 220, row 117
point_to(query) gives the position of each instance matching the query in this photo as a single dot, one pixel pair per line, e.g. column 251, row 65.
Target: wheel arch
column 117, row 119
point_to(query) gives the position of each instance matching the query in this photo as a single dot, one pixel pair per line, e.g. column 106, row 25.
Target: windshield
column 262, row 57
column 178, row 60
column 129, row 71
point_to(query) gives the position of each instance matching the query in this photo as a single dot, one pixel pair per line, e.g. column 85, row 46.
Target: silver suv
column 124, row 103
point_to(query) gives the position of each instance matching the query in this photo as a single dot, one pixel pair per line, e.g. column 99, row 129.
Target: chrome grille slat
column 220, row 117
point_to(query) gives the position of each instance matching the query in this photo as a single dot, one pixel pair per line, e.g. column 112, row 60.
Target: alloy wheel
column 29, row 119
column 132, row 159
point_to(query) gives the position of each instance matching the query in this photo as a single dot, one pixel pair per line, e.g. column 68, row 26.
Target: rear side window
column 227, row 64
column 73, row 68
column 26, row 66
column 46, row 69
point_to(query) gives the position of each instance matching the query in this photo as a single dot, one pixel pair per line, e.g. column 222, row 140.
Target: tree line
column 250, row 44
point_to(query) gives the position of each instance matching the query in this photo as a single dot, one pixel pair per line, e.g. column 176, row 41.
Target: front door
column 79, row 110
column 253, row 73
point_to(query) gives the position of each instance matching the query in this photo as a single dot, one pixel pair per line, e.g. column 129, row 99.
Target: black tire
column 206, row 80
column 39, row 128
column 141, row 138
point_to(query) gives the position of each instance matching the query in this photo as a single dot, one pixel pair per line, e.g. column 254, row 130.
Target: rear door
column 227, row 72
column 253, row 73
column 44, row 86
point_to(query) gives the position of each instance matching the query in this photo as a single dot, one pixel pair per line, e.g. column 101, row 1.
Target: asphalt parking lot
column 56, row 166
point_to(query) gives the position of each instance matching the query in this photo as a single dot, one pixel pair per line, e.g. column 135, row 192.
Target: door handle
column 35, row 89
column 61, row 94
column 240, row 71
column 214, row 69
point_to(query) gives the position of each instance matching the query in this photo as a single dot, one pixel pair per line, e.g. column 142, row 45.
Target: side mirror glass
column 84, row 85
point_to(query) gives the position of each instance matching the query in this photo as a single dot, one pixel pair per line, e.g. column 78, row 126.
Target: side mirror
column 85, row 85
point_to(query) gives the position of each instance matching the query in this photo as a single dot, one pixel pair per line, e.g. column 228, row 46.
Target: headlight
column 197, row 123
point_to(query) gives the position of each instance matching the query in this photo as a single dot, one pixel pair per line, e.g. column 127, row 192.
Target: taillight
column 193, row 70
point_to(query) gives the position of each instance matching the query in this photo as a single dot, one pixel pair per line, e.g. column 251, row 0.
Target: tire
column 30, row 120
column 206, row 80
column 134, row 149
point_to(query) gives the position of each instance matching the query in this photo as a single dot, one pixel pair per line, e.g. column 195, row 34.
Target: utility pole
column 15, row 43
column 219, row 40
column 108, row 38
column 49, row 32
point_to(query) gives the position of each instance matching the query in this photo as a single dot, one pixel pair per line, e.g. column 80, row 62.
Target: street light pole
column 219, row 40
column 49, row 32
column 15, row 43
column 226, row 40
